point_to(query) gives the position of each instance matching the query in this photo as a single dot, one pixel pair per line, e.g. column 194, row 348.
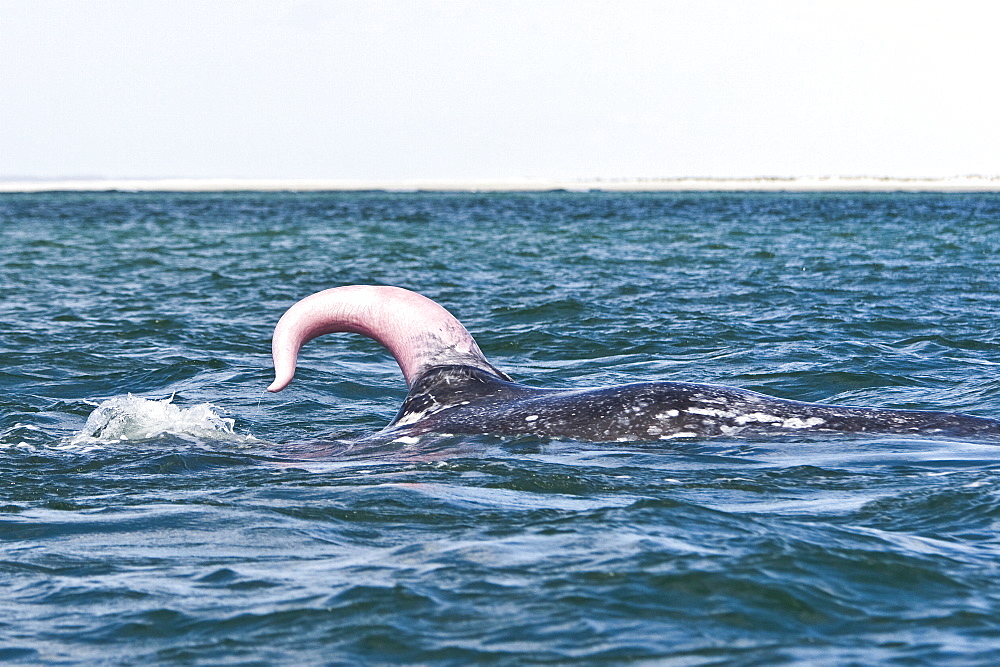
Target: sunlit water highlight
column 156, row 507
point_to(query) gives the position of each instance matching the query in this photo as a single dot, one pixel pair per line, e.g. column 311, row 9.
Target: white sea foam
column 134, row 418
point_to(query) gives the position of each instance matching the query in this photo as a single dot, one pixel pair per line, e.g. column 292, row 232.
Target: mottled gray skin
column 454, row 389
column 467, row 400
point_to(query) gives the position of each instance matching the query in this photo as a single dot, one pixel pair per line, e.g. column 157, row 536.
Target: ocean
column 158, row 506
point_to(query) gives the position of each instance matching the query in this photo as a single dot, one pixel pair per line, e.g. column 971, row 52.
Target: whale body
column 453, row 389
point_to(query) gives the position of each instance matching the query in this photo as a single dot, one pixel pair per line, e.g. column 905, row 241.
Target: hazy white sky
column 477, row 90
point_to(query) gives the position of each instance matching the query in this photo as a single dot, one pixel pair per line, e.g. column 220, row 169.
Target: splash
column 135, row 418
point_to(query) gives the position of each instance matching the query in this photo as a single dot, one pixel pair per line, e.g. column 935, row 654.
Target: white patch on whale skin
column 654, row 430
column 407, row 440
column 790, row 422
column 758, row 417
column 412, row 418
column 710, row 398
column 796, row 422
column 709, row 412
column 531, row 418
column 681, row 434
column 667, row 414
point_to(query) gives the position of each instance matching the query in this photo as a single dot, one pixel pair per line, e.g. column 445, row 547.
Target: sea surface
column 158, row 507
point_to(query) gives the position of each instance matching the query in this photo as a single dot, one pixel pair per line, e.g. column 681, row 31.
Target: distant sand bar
column 777, row 184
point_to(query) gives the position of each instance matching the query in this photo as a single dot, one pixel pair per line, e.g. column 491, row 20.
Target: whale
column 454, row 390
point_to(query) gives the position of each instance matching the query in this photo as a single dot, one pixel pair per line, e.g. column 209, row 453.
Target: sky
column 472, row 90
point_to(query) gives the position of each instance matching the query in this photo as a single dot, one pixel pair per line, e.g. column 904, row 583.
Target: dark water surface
column 230, row 526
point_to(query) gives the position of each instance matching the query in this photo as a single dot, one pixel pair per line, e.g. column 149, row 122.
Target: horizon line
column 968, row 183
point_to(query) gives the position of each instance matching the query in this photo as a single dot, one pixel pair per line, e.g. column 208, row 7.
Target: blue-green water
column 249, row 533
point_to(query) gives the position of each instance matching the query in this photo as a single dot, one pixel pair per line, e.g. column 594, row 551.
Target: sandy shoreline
column 778, row 184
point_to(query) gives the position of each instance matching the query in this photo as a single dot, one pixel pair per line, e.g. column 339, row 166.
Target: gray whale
column 453, row 389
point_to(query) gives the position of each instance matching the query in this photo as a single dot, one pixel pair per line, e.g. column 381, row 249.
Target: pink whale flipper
column 419, row 333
